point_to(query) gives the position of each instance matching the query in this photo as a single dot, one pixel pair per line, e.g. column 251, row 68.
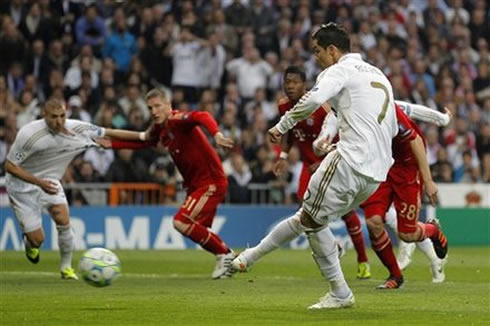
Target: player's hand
column 104, row 142
column 449, row 115
column 280, row 167
column 274, row 135
column 313, row 167
column 223, row 141
column 49, row 186
column 321, row 147
column 431, row 190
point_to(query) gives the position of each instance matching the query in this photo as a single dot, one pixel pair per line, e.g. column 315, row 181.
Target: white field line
column 138, row 275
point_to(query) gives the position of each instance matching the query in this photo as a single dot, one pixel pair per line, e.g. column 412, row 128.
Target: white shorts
column 335, row 189
column 27, row 206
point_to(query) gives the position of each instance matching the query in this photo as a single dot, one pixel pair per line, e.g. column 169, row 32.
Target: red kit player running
column 199, row 164
column 403, row 187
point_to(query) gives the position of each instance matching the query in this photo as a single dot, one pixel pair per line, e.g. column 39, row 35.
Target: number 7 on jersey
column 382, row 114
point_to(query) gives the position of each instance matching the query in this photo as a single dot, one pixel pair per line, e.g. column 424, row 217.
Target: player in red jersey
column 199, row 164
column 303, row 135
column 403, row 187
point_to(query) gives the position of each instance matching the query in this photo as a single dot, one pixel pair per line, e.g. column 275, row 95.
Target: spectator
column 120, row 46
column 239, row 176
column 127, row 168
column 251, row 72
column 76, row 111
column 11, row 39
column 186, row 69
column 90, row 28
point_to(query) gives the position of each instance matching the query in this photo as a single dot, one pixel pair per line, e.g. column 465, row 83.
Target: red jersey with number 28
column 304, row 132
column 189, row 147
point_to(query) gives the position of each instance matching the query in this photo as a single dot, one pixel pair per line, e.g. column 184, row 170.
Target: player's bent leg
column 353, row 224
column 325, row 254
column 434, row 232
column 60, row 215
column 33, row 241
column 428, row 230
column 281, row 234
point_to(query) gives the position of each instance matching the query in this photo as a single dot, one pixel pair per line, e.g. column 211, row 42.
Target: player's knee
column 375, row 225
column 181, row 224
column 308, row 222
column 408, row 237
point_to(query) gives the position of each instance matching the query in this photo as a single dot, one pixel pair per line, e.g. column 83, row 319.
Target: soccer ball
column 99, row 267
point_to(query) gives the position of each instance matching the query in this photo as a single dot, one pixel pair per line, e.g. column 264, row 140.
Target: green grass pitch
column 174, row 288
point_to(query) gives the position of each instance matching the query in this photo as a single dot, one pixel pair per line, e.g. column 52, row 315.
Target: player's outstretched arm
column 127, row 134
column 426, row 114
column 328, row 84
column 418, row 150
column 47, row 185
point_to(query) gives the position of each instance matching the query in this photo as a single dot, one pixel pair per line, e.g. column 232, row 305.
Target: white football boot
column 330, row 301
column 437, row 268
column 223, row 266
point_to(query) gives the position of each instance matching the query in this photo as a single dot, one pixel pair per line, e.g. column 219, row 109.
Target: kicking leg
column 281, row 234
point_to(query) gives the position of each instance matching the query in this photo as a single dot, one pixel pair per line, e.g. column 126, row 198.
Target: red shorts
column 201, row 204
column 304, row 179
column 407, row 199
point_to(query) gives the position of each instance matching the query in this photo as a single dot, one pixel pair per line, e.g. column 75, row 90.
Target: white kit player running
column 36, row 162
column 363, row 98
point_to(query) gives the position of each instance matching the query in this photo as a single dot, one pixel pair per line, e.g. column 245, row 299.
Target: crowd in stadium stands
column 227, row 57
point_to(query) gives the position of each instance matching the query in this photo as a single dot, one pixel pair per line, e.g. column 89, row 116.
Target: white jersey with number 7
column 363, row 99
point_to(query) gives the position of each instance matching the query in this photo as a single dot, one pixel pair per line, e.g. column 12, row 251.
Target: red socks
column 208, row 240
column 428, row 230
column 383, row 248
column 355, row 231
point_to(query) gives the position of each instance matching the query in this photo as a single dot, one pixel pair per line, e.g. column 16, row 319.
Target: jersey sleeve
column 405, row 131
column 327, row 86
column 131, row 144
column 202, row 118
column 22, row 147
column 86, row 129
column 423, row 113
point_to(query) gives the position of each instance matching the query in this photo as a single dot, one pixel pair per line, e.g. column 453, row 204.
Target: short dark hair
column 53, row 103
column 155, row 92
column 332, row 34
column 296, row 70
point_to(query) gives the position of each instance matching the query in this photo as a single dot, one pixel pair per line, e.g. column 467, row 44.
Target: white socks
column 325, row 253
column 281, row 234
column 65, row 243
column 428, row 249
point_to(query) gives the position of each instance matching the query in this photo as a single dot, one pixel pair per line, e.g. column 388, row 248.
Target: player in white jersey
column 347, row 176
column 36, row 162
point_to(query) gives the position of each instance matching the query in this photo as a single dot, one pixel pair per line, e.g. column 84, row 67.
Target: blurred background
column 227, row 57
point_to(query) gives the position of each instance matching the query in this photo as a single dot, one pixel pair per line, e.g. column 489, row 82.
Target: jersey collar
column 355, row 56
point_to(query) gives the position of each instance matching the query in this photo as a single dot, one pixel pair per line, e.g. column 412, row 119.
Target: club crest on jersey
column 310, row 121
column 19, row 156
